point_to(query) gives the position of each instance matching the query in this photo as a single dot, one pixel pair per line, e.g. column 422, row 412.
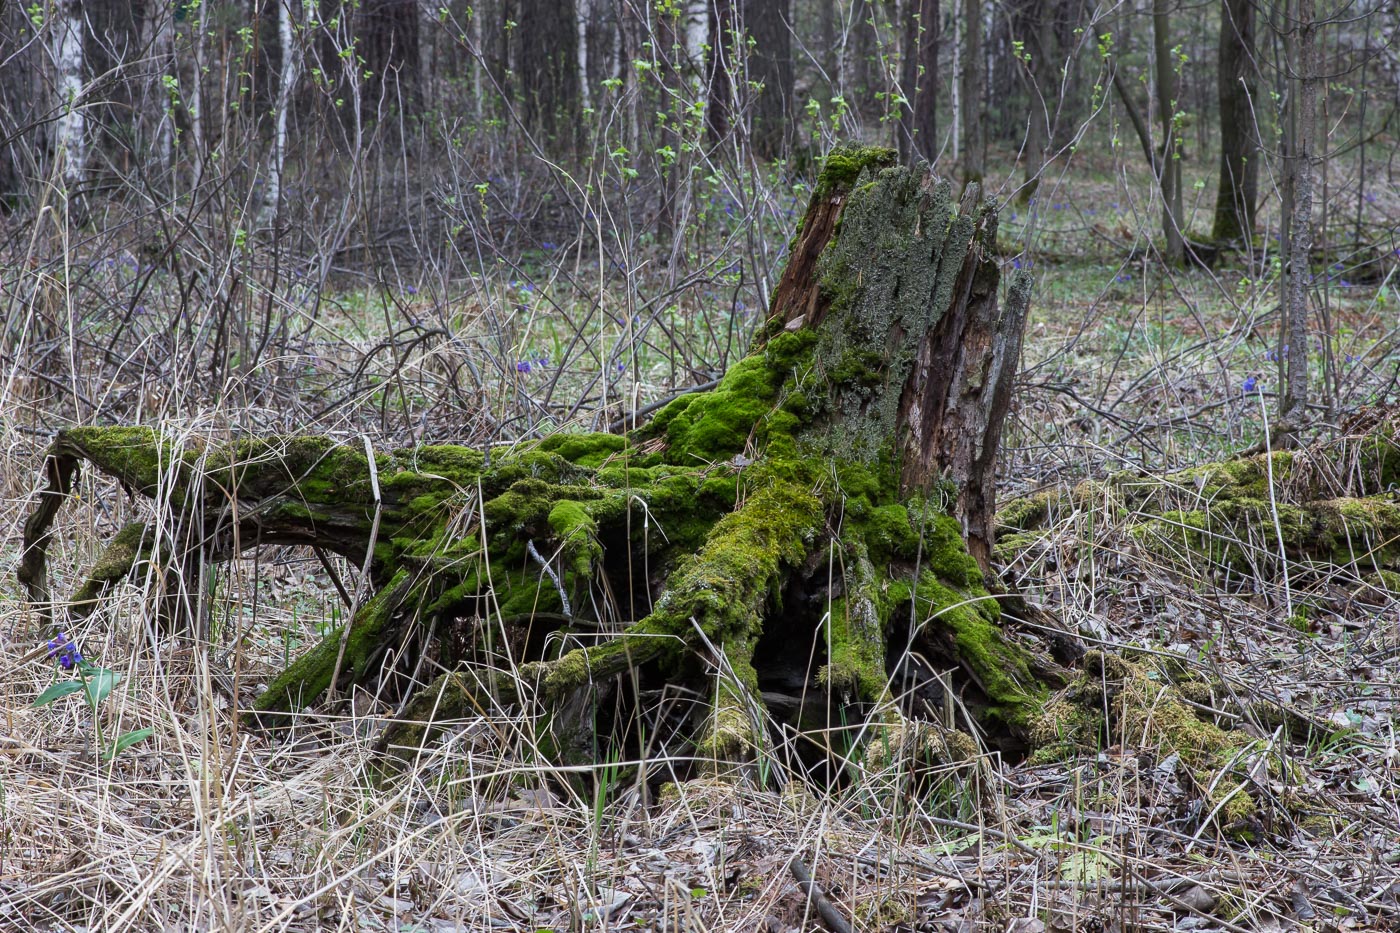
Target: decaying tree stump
column 834, row 487
column 821, row 516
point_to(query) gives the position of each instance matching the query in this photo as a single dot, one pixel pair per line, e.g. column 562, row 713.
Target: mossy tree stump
column 823, row 511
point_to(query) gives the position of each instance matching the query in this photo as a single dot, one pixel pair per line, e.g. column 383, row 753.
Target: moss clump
column 712, row 426
column 844, row 164
column 1144, row 713
column 121, row 554
column 1024, row 512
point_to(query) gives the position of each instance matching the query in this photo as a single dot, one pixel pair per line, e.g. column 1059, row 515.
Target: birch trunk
column 290, row 65
column 69, row 129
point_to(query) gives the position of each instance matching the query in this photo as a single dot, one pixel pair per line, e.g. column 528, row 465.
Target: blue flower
column 1123, row 277
column 411, row 289
column 65, row 652
column 548, row 245
column 1250, row 385
column 523, row 366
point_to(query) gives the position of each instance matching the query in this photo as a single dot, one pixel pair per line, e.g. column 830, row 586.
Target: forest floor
column 208, row 825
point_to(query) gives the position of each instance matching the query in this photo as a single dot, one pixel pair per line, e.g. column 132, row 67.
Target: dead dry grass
column 209, row 826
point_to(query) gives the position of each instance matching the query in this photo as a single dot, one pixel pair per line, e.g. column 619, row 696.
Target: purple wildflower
column 1250, row 384
column 523, row 366
column 65, row 652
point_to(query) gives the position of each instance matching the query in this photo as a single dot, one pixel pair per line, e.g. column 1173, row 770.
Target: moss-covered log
column 1328, row 505
column 821, row 516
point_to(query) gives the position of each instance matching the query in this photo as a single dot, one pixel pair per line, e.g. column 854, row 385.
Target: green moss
column 1025, row 512
column 844, row 164
column 855, row 632
column 889, row 534
column 307, row 678
column 1000, row 668
column 1145, row 713
column 117, row 560
column 589, row 450
column 577, row 531
column 713, row 426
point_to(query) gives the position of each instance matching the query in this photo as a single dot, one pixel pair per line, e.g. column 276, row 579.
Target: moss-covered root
column 60, row 468
column 733, row 731
column 130, row 546
column 1147, row 713
column 310, row 675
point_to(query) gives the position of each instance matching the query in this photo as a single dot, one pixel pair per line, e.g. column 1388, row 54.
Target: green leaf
column 698, row 892
column 57, row 692
column 101, row 683
column 126, row 740
column 1086, row 867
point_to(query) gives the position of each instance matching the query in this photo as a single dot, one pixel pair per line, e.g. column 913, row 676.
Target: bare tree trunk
column 974, row 148
column 1039, row 75
column 1237, row 193
column 160, row 23
column 919, row 81
column 388, row 33
column 546, row 55
column 70, row 127
column 582, row 16
column 1169, row 178
column 1296, row 239
column 767, row 23
column 290, row 61
column 720, row 69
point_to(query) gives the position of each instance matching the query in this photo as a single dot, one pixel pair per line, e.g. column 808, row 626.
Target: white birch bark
column 70, row 143
column 160, row 22
column 584, row 8
column 697, row 36
column 290, row 61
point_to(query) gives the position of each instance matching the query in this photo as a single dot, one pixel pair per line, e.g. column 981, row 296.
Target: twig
column 645, row 410
column 825, row 909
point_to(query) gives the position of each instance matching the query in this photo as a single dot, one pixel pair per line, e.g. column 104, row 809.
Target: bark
column 719, row 69
column 70, row 127
column 770, row 74
column 388, row 31
column 545, row 53
column 1238, row 190
column 1296, row 240
column 287, row 78
column 974, row 145
column 1039, row 43
column 919, row 81
column 1169, row 166
column 159, row 25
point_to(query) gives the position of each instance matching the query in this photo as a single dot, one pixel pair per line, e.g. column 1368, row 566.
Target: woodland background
column 486, row 222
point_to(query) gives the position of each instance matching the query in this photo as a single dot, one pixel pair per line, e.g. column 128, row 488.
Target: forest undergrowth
column 204, row 823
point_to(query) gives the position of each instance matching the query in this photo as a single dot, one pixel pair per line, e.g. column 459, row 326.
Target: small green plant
column 96, row 684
